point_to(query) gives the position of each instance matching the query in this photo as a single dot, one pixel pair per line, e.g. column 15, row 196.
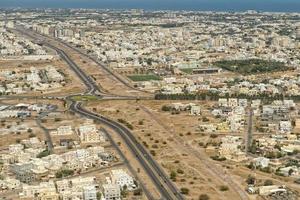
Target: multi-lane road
column 165, row 186
column 159, row 178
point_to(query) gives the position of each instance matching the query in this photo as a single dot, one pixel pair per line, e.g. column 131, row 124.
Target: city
column 108, row 104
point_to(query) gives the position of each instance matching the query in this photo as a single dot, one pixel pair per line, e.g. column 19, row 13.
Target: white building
column 121, row 178
column 195, row 110
column 111, row 192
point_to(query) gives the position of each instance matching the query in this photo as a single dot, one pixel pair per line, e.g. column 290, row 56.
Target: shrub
column 31, row 135
column 153, row 153
column 224, row 188
column 43, row 154
column 184, row 191
column 203, row 197
column 250, row 180
column 268, row 182
column 173, row 175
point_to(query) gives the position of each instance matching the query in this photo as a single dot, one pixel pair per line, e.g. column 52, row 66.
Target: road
column 46, row 40
column 46, row 131
column 165, row 186
column 160, row 179
column 200, row 156
column 248, row 136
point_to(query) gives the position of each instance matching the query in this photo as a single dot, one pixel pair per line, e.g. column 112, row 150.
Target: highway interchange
column 160, row 179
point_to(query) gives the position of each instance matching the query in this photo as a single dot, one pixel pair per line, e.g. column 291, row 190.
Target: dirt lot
column 159, row 132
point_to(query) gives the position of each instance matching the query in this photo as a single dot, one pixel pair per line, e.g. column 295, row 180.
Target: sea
column 198, row 5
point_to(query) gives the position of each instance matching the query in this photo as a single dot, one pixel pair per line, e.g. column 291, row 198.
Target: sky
column 214, row 5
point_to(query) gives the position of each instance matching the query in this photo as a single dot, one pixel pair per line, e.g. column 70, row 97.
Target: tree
column 99, row 195
column 43, row 154
column 124, row 191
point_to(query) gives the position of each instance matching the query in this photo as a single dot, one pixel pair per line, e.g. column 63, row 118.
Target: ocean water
column 213, row 5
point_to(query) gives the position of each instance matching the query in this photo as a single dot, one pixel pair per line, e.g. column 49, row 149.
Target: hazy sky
column 264, row 5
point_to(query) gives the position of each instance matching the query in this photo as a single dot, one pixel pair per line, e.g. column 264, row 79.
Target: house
column 63, row 130
column 223, row 102
column 33, row 191
column 90, row 192
column 289, row 171
column 268, row 190
column 10, row 184
column 195, row 110
column 63, row 185
column 232, row 102
column 89, row 134
column 243, row 102
column 121, row 178
column 261, row 162
column 111, row 192
column 285, row 127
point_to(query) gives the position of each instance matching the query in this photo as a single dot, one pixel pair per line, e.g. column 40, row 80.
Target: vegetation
column 166, row 108
column 184, row 191
column 268, row 182
column 127, row 124
column 64, row 173
column 144, row 77
column 251, row 180
column 138, row 192
column 152, row 152
column 214, row 96
column 173, row 175
column 187, row 70
column 43, row 154
column 84, row 98
column 218, row 158
column 203, row 197
column 98, row 195
column 31, row 135
column 251, row 66
column 224, row 188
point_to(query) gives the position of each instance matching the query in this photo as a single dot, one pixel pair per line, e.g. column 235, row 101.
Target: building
column 90, row 192
column 195, row 110
column 261, row 162
column 43, row 189
column 121, row 178
column 89, row 134
column 111, row 192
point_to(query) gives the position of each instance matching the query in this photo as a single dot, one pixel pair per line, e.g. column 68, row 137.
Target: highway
column 167, row 189
column 211, row 167
column 101, row 65
column 92, row 87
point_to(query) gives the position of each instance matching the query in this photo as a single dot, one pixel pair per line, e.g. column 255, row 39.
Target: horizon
column 199, row 5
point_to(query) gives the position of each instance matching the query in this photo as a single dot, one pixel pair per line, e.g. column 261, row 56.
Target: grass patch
column 84, row 98
column 144, row 77
column 251, row 66
column 187, row 70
